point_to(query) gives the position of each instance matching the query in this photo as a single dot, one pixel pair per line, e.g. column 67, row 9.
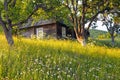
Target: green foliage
column 107, row 42
column 22, row 10
column 1, row 6
column 106, row 36
column 1, row 31
column 40, row 15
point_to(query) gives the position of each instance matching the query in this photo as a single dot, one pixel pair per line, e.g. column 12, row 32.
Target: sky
column 100, row 27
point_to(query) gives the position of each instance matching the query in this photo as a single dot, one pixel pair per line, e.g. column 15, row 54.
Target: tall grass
column 57, row 60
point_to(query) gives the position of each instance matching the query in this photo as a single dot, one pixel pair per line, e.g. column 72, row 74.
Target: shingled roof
column 30, row 24
column 39, row 23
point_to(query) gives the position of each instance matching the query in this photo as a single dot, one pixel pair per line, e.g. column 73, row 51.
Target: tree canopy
column 17, row 12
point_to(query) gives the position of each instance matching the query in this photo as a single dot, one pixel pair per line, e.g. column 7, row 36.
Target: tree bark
column 8, row 35
column 113, row 40
column 81, row 40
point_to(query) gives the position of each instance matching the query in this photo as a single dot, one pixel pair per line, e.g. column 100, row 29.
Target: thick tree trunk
column 82, row 41
column 82, row 36
column 8, row 35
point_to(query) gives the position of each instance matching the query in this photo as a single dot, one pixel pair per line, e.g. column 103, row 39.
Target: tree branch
column 5, row 5
column 83, row 14
column 9, row 1
column 79, row 24
column 1, row 21
column 25, row 20
column 13, row 3
column 9, row 22
column 93, row 17
column 67, row 6
column 37, row 6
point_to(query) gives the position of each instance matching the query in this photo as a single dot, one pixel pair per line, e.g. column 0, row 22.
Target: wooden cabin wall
column 53, row 30
column 27, row 32
column 50, row 31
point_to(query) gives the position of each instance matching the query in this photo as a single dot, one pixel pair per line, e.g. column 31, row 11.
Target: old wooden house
column 47, row 29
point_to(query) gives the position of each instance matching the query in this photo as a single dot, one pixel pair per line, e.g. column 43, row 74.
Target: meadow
column 31, row 59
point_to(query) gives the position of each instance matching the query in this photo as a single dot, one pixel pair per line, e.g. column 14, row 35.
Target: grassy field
column 57, row 60
column 95, row 33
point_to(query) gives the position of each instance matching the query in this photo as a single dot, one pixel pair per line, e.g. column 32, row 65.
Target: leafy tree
column 111, row 18
column 82, row 12
column 111, row 26
column 16, row 12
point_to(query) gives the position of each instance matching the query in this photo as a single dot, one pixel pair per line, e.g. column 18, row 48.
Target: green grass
column 106, row 42
column 57, row 60
column 95, row 33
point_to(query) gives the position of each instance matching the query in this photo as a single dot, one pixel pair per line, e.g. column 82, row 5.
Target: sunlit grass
column 57, row 60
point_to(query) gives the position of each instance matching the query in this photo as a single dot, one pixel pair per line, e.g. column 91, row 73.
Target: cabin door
column 39, row 32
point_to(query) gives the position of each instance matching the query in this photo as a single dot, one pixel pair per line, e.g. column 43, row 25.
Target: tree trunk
column 113, row 40
column 81, row 40
column 8, row 35
column 82, row 36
